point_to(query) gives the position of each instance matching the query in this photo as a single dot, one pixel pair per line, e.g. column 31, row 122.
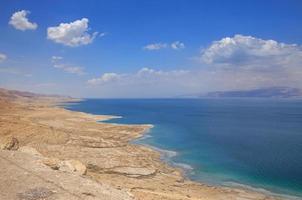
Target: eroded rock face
column 73, row 166
column 9, row 143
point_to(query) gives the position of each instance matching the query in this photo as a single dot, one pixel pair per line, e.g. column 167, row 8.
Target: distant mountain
column 13, row 95
column 271, row 92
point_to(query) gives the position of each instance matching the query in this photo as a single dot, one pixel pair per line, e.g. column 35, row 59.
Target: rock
column 9, row 143
column 34, row 181
column 30, row 150
column 53, row 163
column 73, row 166
column 134, row 172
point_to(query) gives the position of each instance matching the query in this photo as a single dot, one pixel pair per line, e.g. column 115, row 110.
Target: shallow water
column 255, row 142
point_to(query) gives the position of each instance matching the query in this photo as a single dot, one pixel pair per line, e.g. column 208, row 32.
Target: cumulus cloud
column 157, row 46
column 72, row 34
column 248, row 51
column 20, row 21
column 56, row 60
column 243, row 62
column 2, row 57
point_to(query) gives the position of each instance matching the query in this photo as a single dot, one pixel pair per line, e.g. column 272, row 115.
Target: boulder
column 73, row 166
column 9, row 143
column 53, row 163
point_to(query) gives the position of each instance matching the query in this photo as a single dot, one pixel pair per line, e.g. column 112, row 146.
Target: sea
column 253, row 143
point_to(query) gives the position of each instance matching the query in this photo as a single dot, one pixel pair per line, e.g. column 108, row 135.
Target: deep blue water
column 255, row 142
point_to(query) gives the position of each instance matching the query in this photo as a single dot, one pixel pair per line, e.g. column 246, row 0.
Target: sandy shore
column 107, row 166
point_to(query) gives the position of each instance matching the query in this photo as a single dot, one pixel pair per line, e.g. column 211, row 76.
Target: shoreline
column 167, row 155
column 105, row 149
column 185, row 169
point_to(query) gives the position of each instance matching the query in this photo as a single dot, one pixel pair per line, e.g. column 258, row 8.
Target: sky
column 149, row 49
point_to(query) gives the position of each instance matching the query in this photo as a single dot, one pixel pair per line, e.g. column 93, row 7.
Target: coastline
column 108, row 153
column 184, row 169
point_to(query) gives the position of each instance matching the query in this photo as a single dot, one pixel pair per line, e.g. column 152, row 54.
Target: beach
column 63, row 154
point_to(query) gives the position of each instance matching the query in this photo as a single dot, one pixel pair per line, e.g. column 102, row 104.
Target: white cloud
column 72, row 34
column 74, row 70
column 147, row 71
column 243, row 62
column 143, row 72
column 145, row 82
column 107, row 77
column 232, row 63
column 14, row 71
column 157, row 46
column 251, row 52
column 102, row 34
column 45, row 85
column 177, row 45
column 20, row 21
column 144, row 75
column 2, row 57
column 70, row 69
column 56, row 60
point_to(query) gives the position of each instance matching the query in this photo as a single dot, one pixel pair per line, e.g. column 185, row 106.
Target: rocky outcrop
column 73, row 166
column 9, row 143
column 69, row 166
column 24, row 177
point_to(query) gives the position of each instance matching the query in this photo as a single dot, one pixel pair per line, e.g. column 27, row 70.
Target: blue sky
column 118, row 62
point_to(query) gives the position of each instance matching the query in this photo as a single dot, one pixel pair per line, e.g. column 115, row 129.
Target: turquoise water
column 252, row 142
